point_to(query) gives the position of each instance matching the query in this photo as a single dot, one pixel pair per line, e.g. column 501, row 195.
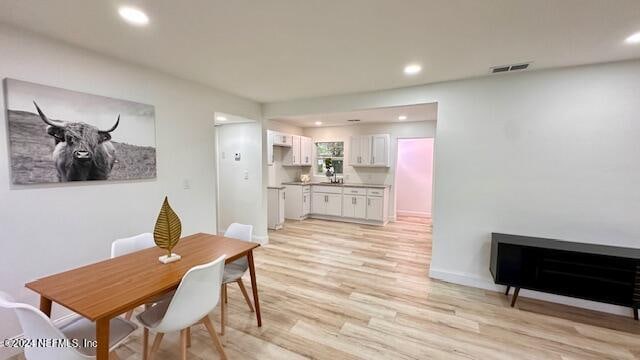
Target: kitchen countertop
column 377, row 186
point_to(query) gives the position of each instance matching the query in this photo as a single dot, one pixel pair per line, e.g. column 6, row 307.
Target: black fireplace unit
column 607, row 274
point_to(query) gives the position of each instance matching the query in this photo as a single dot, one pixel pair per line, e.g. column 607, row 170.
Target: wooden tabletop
column 111, row 287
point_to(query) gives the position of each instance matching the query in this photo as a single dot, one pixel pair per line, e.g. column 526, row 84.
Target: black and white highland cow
column 82, row 152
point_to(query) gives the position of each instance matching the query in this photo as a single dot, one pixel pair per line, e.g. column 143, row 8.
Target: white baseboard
column 487, row 284
column 420, row 214
column 262, row 240
column 349, row 220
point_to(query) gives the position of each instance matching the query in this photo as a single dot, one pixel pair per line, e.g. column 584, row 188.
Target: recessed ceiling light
column 402, row 117
column 133, row 16
column 633, row 39
column 412, row 69
column 221, row 118
column 318, row 123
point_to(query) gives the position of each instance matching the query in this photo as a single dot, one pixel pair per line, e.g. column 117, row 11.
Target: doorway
column 239, row 173
column 414, row 177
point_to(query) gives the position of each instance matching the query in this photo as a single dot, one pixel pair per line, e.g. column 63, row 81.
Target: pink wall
column 414, row 172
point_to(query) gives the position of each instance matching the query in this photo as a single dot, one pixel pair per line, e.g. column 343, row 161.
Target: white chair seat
column 152, row 316
column 81, row 328
column 234, row 271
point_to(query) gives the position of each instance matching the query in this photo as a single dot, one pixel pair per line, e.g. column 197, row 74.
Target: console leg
column 508, row 288
column 515, row 296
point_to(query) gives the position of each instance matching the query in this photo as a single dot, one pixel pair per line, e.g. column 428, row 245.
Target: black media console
column 607, row 274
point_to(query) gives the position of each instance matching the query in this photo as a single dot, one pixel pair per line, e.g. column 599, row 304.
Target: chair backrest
column 197, row 295
column 36, row 325
column 132, row 244
column 240, row 232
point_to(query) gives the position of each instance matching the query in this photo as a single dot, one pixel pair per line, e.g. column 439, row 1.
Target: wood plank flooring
column 342, row 291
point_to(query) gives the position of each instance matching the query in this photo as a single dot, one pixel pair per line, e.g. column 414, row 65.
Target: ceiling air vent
column 509, row 68
column 353, row 120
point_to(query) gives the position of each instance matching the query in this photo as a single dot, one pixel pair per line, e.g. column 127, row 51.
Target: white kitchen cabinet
column 370, row 150
column 269, row 147
column 327, row 200
column 299, row 154
column 276, row 197
column 306, row 151
column 380, row 150
column 306, row 203
column 359, row 204
column 318, row 203
column 334, row 205
column 295, row 150
column 377, row 204
column 375, row 208
column 354, row 206
column 297, row 202
column 360, row 150
column 280, row 139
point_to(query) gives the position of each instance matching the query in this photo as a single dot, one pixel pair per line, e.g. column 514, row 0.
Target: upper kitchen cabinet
column 370, row 150
column 300, row 152
column 380, row 150
column 360, row 150
column 280, row 139
column 306, row 150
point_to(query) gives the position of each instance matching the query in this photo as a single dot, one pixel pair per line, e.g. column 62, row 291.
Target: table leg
column 45, row 305
column 254, row 286
column 102, row 337
column 515, row 297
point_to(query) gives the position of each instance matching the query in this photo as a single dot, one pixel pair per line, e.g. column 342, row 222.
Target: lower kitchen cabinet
column 375, row 208
column 276, row 197
column 298, row 202
column 326, row 204
column 354, row 206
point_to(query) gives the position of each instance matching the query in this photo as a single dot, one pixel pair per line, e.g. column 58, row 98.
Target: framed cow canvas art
column 58, row 135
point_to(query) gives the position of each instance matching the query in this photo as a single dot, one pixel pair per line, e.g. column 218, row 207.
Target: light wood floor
column 334, row 291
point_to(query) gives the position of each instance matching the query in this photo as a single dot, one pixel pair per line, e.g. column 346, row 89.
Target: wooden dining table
column 109, row 288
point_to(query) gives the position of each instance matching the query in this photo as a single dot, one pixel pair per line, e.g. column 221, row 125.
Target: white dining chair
column 132, row 244
column 234, row 271
column 36, row 325
column 191, row 304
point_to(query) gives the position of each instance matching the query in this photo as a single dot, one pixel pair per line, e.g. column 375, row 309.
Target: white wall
column 238, row 193
column 414, row 177
column 47, row 229
column 371, row 175
column 550, row 153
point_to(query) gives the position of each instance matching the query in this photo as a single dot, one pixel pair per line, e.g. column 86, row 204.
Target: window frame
column 318, row 157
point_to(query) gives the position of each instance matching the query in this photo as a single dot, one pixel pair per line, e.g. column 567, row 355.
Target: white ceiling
column 423, row 112
column 272, row 50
